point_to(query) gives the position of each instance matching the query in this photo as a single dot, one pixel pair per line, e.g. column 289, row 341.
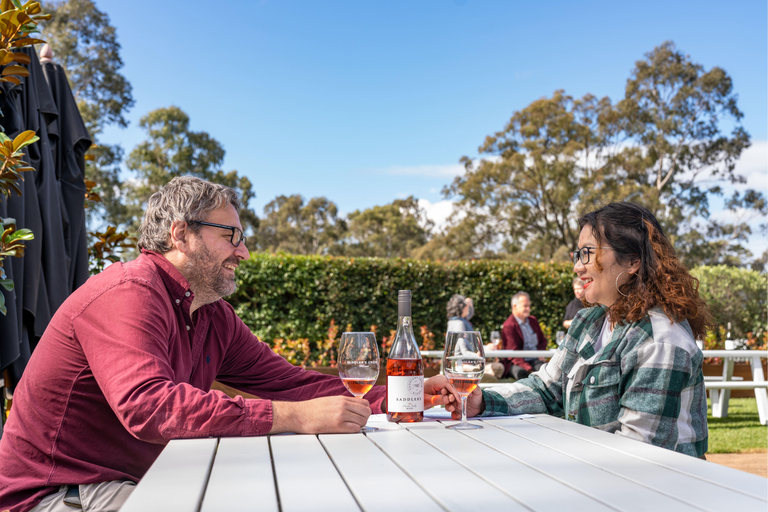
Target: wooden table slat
column 529, row 487
column 453, row 486
column 694, row 491
column 306, row 478
column 377, row 482
column 241, row 479
column 595, row 482
column 176, row 480
column 746, row 483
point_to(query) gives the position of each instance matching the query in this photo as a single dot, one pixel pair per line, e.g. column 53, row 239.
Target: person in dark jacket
column 521, row 331
column 576, row 304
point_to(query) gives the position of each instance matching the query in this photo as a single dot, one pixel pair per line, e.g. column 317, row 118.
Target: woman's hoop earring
column 617, row 284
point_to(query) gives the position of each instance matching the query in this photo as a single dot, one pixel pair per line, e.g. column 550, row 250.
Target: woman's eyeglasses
column 582, row 253
column 237, row 233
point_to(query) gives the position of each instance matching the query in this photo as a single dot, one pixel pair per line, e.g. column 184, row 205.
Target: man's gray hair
column 184, row 198
column 455, row 306
column 519, row 295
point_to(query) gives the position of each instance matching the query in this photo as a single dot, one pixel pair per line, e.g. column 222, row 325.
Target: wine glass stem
column 463, row 409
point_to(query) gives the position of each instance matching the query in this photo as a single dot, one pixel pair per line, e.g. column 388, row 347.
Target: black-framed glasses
column 582, row 253
column 237, row 233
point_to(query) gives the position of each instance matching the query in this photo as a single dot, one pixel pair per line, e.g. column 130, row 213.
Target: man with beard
column 128, row 361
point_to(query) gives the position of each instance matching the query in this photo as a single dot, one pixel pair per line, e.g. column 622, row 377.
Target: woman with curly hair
column 629, row 364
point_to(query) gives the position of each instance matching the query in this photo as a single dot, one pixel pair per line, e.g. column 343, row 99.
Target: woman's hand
column 442, row 392
column 438, row 391
column 475, row 405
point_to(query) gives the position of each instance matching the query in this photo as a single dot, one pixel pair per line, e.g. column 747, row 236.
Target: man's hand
column 438, row 391
column 326, row 415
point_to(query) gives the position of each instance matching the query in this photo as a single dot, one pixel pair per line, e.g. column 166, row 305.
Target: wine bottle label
column 405, row 394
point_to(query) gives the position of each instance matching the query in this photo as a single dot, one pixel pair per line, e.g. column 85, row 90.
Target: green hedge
column 293, row 297
column 296, row 297
column 735, row 295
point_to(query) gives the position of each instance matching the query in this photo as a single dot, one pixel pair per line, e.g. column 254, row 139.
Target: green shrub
column 735, row 295
column 296, row 297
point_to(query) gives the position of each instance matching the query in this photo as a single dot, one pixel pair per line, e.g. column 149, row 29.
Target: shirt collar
column 521, row 322
column 177, row 285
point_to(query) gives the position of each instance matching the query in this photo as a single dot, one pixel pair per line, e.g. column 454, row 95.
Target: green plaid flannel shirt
column 645, row 384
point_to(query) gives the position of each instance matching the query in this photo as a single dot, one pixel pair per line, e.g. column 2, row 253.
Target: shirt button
column 186, row 294
column 178, row 301
column 592, row 380
column 188, row 327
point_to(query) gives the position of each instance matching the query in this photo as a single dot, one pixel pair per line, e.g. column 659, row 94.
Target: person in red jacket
column 521, row 331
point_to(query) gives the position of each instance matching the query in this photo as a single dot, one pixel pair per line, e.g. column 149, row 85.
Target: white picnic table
column 718, row 387
column 530, row 462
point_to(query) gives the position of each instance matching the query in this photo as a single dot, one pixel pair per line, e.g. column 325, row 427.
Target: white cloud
column 432, row 171
column 437, row 212
column 753, row 165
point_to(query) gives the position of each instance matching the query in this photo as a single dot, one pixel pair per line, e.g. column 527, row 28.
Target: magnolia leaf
column 24, row 139
column 4, row 137
column 6, row 58
column 2, row 304
column 26, row 41
column 6, row 28
column 23, row 169
column 90, row 157
column 6, row 221
column 15, row 70
column 22, row 19
column 21, row 234
column 15, row 188
column 11, row 79
column 21, row 58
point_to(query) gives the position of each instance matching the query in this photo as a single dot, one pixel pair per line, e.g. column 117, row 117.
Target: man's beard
column 205, row 276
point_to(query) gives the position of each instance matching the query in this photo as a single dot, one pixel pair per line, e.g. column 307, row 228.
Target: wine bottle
column 405, row 369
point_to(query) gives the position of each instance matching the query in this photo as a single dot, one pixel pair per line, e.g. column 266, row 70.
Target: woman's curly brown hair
column 661, row 281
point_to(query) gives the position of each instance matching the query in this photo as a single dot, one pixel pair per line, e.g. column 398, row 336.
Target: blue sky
column 367, row 101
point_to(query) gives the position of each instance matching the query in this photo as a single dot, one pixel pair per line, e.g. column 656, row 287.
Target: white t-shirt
column 605, row 334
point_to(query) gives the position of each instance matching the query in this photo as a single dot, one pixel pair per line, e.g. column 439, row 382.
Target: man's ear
column 179, row 235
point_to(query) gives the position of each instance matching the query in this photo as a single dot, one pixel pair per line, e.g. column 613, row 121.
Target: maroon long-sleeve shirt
column 122, row 369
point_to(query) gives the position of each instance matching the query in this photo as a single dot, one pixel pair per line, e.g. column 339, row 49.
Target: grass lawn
column 740, row 432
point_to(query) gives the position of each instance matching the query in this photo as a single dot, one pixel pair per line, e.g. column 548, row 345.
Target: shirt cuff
column 258, row 417
column 495, row 405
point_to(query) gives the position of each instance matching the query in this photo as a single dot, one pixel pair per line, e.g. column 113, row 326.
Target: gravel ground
column 755, row 463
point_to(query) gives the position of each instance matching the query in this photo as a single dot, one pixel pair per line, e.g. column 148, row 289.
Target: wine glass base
column 369, row 429
column 464, row 426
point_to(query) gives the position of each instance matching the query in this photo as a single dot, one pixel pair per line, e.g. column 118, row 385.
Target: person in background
column 128, row 361
column 460, row 311
column 628, row 365
column 576, row 304
column 521, row 331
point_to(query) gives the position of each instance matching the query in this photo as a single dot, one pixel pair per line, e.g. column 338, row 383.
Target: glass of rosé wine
column 464, row 364
column 359, row 364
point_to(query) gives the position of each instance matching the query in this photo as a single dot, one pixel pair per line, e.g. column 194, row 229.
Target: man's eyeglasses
column 237, row 233
column 582, row 253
